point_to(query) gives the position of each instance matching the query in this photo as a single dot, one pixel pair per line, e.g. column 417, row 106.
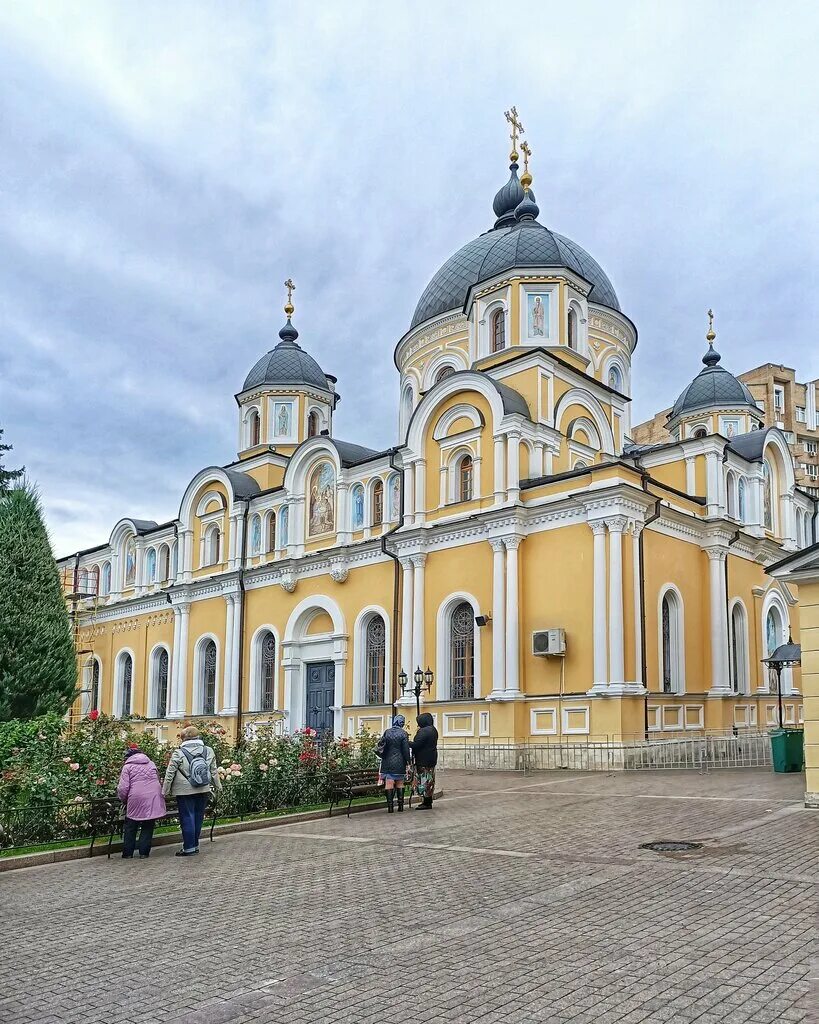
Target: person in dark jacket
column 425, row 751
column 394, row 751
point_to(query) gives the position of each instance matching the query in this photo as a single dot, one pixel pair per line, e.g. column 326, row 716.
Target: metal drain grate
column 671, row 846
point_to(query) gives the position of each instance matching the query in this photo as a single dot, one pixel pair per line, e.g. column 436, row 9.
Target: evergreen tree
column 7, row 476
column 37, row 664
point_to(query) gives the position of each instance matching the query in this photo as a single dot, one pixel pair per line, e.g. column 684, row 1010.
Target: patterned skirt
column 424, row 782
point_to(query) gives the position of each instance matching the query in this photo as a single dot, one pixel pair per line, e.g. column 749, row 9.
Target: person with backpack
column 140, row 791
column 191, row 777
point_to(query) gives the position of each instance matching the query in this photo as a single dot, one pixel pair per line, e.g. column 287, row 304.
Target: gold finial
column 709, row 337
column 289, row 308
column 516, row 129
column 526, row 177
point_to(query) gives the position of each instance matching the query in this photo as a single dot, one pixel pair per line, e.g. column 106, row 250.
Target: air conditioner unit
column 548, row 643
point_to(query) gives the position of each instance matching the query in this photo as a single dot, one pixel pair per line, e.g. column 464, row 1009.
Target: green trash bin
column 788, row 750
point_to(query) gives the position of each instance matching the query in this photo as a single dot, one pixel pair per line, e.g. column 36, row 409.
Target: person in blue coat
column 394, row 751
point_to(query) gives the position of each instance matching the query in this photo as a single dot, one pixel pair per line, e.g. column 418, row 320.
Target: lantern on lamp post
column 421, row 681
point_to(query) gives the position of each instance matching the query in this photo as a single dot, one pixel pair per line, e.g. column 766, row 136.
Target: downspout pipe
column 396, row 576
column 644, row 477
column 241, row 580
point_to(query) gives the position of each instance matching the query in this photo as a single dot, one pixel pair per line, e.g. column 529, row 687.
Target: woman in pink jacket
column 140, row 790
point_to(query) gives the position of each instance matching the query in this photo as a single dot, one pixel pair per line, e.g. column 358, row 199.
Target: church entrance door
column 321, row 687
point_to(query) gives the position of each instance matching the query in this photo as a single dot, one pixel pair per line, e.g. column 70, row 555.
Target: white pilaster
column 228, row 670
column 636, row 530
column 500, row 456
column 512, row 621
column 235, row 657
column 172, row 682
column 720, row 677
column 180, row 683
column 712, row 476
column 418, row 646
column 498, row 618
column 691, row 474
column 616, row 636
column 598, row 528
column 186, row 540
column 343, row 513
column 420, row 492
column 513, row 466
column 406, row 617
column 409, row 494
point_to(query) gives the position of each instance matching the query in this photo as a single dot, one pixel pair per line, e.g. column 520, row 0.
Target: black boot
column 428, row 802
column 390, row 800
column 401, row 799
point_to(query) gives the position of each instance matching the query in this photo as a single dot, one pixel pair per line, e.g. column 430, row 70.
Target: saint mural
column 322, row 500
column 130, row 564
column 358, row 507
column 284, row 521
column 395, row 497
column 282, row 420
column 538, row 304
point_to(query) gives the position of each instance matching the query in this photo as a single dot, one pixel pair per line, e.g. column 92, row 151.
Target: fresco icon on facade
column 322, row 500
column 130, row 564
column 395, row 497
column 282, row 419
column 284, row 522
column 358, row 507
column 538, row 315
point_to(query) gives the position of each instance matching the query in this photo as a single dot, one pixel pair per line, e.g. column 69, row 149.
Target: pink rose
column 66, row 760
column 74, row 766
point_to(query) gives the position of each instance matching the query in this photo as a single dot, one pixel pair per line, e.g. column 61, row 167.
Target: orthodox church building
column 548, row 577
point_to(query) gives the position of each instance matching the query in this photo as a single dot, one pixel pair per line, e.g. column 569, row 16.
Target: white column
column 181, row 682
column 720, row 679
column 691, row 474
column 636, row 530
column 420, row 491
column 343, row 513
column 498, row 617
column 232, row 546
column 228, row 660
column 239, row 536
column 512, row 622
column 513, row 466
column 616, row 638
column 418, row 648
column 186, row 559
column 601, row 674
column 409, row 493
column 235, row 658
column 173, row 684
column 406, row 618
column 712, row 473
column 442, row 478
column 500, row 455
column 788, row 528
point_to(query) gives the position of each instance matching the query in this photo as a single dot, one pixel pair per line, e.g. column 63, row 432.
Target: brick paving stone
column 519, row 899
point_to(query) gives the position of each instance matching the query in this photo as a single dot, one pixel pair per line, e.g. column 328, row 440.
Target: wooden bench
column 350, row 783
column 108, row 815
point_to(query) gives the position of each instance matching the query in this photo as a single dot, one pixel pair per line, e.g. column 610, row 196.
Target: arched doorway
column 314, row 658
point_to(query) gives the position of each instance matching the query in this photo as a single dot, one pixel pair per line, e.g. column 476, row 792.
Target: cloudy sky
column 165, row 166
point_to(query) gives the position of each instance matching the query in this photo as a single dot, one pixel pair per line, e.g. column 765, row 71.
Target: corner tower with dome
column 547, row 579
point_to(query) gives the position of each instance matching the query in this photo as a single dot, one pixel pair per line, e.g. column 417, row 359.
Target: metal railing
column 702, row 752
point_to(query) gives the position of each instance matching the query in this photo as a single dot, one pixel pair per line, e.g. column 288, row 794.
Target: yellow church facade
column 557, row 581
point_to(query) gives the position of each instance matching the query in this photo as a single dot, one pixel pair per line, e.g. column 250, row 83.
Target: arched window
column 164, row 563
column 150, row 565
column 106, row 579
column 313, row 424
column 126, row 681
column 160, row 683
column 462, row 652
column 267, row 672
column 378, row 503
column 739, row 650
column 581, row 464
column 376, row 659
column 573, row 328
column 731, row 495
column 443, row 373
column 464, row 485
column 256, row 535
column 615, row 377
column 213, row 543
column 253, row 428
column 208, row 683
column 741, row 499
column 700, row 432
column 95, row 686
column 406, row 406
column 671, row 640
column 498, row 331
column 767, row 497
column 271, row 532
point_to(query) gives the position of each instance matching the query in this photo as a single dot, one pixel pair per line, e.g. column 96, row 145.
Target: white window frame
column 677, row 641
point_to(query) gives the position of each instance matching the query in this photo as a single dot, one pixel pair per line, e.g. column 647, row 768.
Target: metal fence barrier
column 702, row 753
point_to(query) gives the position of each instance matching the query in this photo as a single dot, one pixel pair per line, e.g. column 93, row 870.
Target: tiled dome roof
column 287, row 363
column 712, row 388
column 523, row 244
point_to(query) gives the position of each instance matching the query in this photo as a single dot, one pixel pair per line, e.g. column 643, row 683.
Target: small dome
column 524, row 244
column 287, row 363
column 712, row 388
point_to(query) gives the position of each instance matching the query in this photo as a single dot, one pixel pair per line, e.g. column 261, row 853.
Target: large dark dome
column 523, row 244
column 712, row 388
column 287, row 363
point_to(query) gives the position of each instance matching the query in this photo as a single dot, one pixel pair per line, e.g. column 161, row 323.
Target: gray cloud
column 163, row 167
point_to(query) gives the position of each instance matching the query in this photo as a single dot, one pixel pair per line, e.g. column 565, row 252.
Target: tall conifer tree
column 37, row 664
column 7, row 476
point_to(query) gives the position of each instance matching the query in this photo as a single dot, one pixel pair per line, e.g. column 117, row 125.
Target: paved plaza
column 518, row 899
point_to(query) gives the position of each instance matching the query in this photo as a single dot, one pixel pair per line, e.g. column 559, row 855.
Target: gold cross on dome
column 289, row 308
column 711, row 333
column 526, row 177
column 516, row 129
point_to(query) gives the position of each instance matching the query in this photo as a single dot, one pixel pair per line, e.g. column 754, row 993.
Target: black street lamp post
column 785, row 655
column 423, row 681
